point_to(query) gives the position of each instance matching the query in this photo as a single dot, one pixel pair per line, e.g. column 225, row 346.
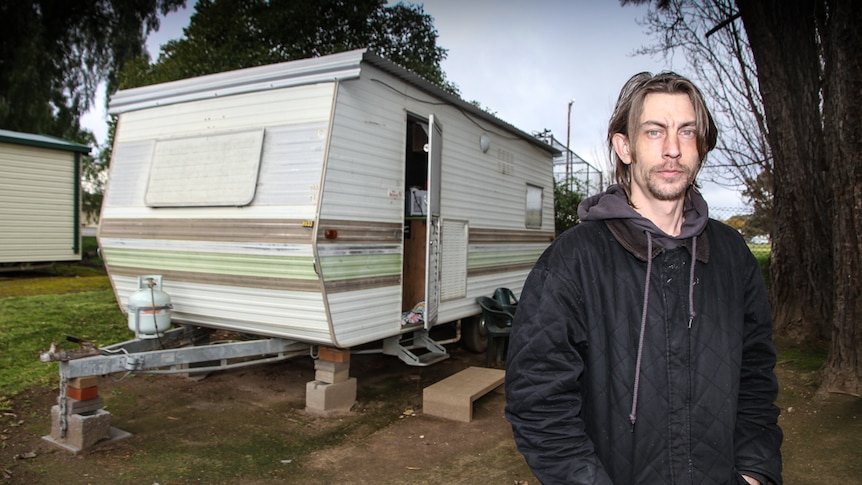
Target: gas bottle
column 149, row 308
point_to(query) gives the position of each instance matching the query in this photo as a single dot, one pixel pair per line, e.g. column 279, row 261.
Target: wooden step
column 453, row 397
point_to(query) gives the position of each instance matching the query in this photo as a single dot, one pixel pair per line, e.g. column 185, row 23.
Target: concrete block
column 330, row 398
column 331, row 372
column 74, row 406
column 326, row 365
column 453, row 397
column 82, row 430
column 332, row 377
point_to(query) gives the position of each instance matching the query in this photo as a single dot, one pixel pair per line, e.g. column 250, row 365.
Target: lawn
column 38, row 308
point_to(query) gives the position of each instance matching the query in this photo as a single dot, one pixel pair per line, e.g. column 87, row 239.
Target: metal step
column 432, row 352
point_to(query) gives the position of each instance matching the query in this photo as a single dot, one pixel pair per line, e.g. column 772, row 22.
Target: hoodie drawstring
column 633, row 416
column 691, row 314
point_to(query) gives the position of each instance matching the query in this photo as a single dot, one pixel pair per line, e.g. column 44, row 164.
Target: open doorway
column 415, row 215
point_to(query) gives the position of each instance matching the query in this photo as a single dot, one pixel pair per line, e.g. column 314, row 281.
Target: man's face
column 665, row 159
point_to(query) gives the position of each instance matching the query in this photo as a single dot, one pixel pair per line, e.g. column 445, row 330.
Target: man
column 641, row 352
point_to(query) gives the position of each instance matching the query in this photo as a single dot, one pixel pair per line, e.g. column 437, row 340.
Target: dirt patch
column 822, row 437
column 249, row 426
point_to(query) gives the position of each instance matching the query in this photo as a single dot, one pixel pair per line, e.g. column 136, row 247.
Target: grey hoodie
column 614, row 204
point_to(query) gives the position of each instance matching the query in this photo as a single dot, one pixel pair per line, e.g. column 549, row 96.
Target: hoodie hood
column 614, row 204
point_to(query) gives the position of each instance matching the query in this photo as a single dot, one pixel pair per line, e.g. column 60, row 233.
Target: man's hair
column 630, row 106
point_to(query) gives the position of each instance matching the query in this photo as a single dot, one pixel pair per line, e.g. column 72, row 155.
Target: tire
column 474, row 335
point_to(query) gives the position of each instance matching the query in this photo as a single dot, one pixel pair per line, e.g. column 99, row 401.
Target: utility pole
column 568, row 140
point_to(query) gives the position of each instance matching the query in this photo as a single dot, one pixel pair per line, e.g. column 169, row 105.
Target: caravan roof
column 335, row 67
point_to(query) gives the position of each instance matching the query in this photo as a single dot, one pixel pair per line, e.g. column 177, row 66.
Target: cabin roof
column 335, row 67
column 41, row 141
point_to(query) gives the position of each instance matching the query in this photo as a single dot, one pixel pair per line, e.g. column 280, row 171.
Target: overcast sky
column 526, row 60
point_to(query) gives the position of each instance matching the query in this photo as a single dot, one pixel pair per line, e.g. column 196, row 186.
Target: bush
column 567, row 198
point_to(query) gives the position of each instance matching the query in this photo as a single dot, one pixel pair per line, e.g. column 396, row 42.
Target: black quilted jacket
column 705, row 409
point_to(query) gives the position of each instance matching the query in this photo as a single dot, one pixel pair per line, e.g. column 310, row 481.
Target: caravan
column 335, row 201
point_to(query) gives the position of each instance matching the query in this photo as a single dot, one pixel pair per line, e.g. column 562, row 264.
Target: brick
column 334, row 355
column 82, row 394
column 83, row 382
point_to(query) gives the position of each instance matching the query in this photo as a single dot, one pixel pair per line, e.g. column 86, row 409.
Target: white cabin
column 40, row 200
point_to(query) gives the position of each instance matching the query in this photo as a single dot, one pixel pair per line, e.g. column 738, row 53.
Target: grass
column 761, row 252
column 40, row 308
column 33, row 323
column 803, row 358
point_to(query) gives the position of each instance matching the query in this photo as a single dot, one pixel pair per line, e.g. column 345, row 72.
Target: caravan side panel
column 363, row 200
column 485, row 241
column 233, row 264
column 490, row 190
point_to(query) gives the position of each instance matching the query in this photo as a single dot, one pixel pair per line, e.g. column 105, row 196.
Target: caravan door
column 432, row 234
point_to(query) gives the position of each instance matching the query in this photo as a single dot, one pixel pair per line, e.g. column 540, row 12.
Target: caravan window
column 535, row 200
column 212, row 170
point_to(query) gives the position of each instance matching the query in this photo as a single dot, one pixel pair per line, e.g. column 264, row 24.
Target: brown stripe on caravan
column 347, row 232
column 499, row 269
column 269, row 283
column 340, row 286
column 285, row 231
column 507, row 236
column 501, row 237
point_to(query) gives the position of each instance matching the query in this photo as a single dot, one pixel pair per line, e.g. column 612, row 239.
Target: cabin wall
column 363, row 196
column 249, row 267
column 38, row 190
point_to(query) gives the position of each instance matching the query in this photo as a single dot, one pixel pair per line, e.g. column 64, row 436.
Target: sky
column 525, row 61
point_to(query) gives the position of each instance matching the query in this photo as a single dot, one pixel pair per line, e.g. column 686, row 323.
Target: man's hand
column 750, row 480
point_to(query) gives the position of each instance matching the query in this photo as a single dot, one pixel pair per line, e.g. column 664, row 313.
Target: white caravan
column 334, row 201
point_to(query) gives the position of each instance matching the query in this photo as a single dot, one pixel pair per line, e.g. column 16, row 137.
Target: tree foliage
column 53, row 56
column 224, row 35
column 568, row 195
column 55, row 53
column 748, row 225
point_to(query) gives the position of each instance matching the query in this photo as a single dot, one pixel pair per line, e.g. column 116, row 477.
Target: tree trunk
column 784, row 42
column 842, row 39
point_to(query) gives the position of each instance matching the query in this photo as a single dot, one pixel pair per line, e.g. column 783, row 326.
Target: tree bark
column 784, row 42
column 842, row 39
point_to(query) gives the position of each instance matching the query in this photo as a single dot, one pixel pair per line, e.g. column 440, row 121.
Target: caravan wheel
column 474, row 335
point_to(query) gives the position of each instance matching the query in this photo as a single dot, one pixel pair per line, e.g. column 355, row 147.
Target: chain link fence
column 740, row 219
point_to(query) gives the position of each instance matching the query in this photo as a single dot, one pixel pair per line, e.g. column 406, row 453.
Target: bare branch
column 717, row 53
